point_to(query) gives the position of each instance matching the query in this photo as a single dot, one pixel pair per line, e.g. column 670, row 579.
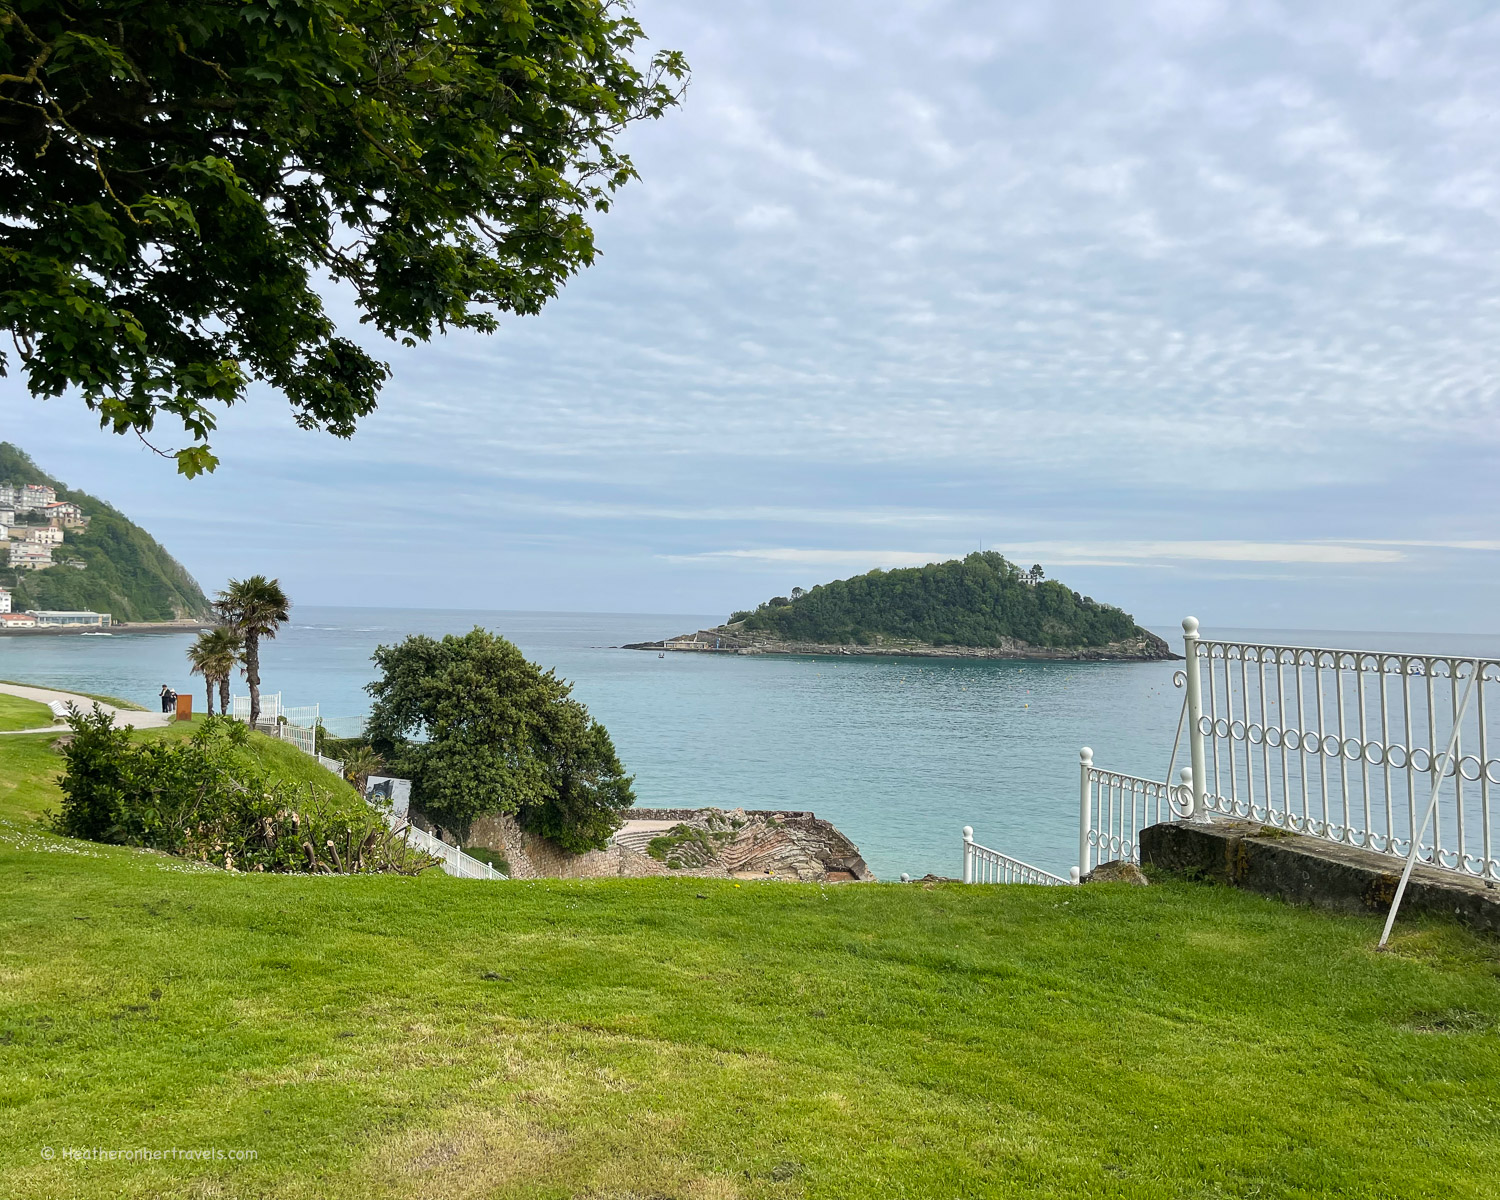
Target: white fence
column 1113, row 808
column 451, row 859
column 983, row 865
column 1366, row 748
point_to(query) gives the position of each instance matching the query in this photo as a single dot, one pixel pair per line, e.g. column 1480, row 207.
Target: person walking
column 167, row 699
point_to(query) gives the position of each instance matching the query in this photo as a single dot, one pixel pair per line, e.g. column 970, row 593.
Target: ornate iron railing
column 1355, row 746
column 983, row 865
column 1114, row 807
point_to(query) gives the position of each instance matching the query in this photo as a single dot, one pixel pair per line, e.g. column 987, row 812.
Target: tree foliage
column 175, row 179
column 480, row 730
column 979, row 600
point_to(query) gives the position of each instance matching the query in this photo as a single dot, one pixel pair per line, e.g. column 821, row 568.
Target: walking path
column 120, row 716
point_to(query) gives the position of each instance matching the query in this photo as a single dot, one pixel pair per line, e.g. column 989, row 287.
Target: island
column 980, row 606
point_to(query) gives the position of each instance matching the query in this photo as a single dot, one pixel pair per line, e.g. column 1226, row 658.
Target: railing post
column 1194, row 718
column 968, row 854
column 1185, row 776
column 1085, row 807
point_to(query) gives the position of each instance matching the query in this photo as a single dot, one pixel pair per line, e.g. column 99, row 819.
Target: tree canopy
column 480, row 730
column 177, row 179
column 975, row 601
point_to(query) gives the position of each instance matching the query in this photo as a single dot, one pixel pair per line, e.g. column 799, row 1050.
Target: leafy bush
column 205, row 799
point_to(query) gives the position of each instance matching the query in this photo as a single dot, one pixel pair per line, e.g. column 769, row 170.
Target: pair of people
column 168, row 699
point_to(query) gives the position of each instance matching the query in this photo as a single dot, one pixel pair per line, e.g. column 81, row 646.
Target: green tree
column 174, row 180
column 481, row 730
column 214, row 654
column 254, row 608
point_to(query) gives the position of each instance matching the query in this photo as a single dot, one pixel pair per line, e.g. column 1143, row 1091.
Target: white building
column 44, row 616
column 45, row 535
column 65, row 512
column 4, row 600
column 7, row 495
column 7, row 514
column 17, row 621
column 35, row 495
column 29, row 556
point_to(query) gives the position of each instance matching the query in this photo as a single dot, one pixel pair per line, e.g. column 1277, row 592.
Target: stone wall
column 1309, row 870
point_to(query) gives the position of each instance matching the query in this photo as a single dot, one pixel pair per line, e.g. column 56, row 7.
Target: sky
column 1196, row 304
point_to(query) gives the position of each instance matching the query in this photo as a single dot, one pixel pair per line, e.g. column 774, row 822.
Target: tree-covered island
column 980, row 606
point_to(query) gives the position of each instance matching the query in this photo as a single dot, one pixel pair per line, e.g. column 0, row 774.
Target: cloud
column 1063, row 554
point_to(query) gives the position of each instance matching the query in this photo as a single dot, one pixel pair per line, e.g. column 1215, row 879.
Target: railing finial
column 968, row 833
column 1190, row 626
column 1086, row 757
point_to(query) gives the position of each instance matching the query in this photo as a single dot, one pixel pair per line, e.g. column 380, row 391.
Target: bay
column 900, row 754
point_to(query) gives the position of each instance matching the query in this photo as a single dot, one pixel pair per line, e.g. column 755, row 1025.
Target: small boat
column 97, row 633
column 662, row 654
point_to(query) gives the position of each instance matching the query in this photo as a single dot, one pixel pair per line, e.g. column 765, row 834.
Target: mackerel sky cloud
column 1196, row 302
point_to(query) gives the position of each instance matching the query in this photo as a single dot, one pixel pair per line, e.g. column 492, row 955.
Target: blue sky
column 1197, row 304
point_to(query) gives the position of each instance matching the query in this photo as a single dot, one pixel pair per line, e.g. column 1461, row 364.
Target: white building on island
column 4, row 600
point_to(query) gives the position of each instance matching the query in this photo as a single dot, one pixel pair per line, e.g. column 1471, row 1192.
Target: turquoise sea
column 900, row 754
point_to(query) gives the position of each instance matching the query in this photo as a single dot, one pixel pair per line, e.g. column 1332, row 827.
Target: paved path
column 121, row 716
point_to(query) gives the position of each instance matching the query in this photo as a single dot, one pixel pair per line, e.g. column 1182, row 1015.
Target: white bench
column 59, row 709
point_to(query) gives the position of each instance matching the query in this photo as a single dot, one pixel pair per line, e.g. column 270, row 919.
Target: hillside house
column 35, row 495
column 7, row 495
column 45, row 535
column 30, row 556
column 66, row 513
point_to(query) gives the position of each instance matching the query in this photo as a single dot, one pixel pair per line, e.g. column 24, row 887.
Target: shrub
column 205, row 799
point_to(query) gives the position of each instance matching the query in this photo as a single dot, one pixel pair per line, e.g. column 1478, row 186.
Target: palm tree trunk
column 252, row 674
column 223, row 695
column 208, row 686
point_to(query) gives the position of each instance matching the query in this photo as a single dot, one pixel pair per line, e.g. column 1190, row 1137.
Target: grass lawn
column 432, row 1037
column 16, row 713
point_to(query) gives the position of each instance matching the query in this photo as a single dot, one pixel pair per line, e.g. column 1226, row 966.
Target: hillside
column 126, row 571
column 981, row 606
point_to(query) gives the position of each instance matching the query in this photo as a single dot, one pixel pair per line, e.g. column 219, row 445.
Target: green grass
column 113, row 701
column 16, row 713
column 382, row 1036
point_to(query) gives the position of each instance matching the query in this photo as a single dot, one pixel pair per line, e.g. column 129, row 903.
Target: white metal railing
column 1377, row 749
column 983, row 865
column 1114, row 807
column 270, row 707
column 451, row 859
column 1354, row 746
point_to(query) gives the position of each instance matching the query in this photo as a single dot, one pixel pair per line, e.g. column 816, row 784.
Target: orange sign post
column 184, row 706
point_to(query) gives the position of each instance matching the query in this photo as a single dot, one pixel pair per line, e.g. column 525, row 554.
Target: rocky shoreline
column 727, row 639
column 703, row 843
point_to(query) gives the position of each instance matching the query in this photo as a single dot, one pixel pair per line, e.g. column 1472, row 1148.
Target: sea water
column 899, row 753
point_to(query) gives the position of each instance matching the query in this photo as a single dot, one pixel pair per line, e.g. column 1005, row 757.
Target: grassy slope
column 434, row 1037
column 16, row 713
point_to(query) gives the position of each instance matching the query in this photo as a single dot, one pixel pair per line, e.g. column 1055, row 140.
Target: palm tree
column 359, row 764
column 254, row 608
column 214, row 656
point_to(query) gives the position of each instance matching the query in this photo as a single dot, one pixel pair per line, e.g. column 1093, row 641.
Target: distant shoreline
column 1145, row 648
column 117, row 627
